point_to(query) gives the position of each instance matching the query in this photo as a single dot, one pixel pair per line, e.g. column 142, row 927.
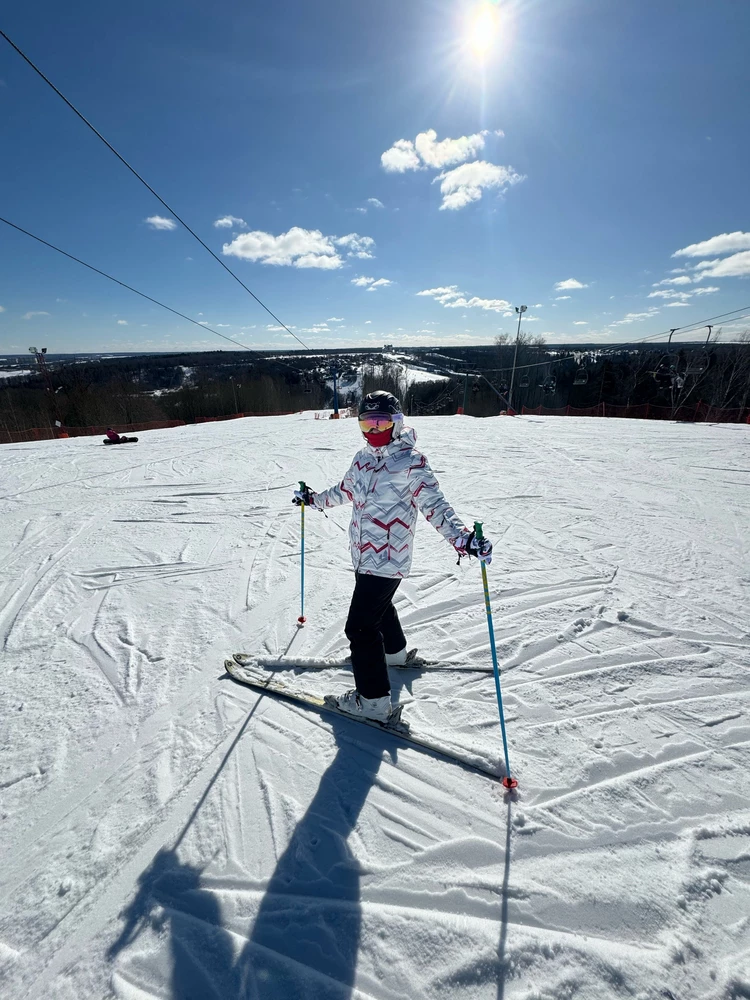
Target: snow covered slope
column 168, row 833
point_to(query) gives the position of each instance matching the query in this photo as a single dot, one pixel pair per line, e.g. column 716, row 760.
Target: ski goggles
column 375, row 423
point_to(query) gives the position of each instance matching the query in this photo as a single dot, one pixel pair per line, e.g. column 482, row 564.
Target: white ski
column 260, row 679
column 413, row 662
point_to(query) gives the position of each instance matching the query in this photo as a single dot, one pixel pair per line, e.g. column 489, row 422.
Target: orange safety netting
column 48, row 433
column 699, row 413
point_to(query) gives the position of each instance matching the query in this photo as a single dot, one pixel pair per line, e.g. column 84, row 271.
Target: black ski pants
column 373, row 629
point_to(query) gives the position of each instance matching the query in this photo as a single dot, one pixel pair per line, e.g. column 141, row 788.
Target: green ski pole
column 508, row 782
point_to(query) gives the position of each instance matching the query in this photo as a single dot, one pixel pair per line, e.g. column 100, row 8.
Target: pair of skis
column 266, row 675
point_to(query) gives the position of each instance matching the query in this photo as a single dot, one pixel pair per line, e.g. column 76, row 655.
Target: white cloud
column 367, row 322
column 637, row 317
column 32, row 314
column 682, row 280
column 443, row 294
column 371, row 284
column 677, row 270
column 539, row 305
column 400, row 157
column 2, row 309
column 448, row 151
column 159, row 222
column 676, row 305
column 560, row 298
column 407, row 155
column 122, row 322
column 303, row 248
column 724, row 243
column 569, row 284
column 375, row 202
column 580, row 322
column 228, row 221
column 450, row 298
column 736, row 266
column 356, row 246
column 335, row 319
column 459, row 186
column 466, row 183
column 316, row 328
column 664, row 293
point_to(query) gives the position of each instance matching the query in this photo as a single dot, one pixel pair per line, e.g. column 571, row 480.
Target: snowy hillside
column 168, row 833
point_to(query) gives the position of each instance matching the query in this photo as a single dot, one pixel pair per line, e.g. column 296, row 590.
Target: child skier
column 387, row 482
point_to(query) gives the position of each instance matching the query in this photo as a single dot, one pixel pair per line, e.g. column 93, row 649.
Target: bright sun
column 482, row 30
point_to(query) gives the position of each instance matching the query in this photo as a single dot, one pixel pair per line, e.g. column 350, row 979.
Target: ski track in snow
column 169, row 834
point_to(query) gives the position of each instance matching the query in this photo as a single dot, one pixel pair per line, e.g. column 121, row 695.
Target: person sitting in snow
column 113, row 436
column 387, row 482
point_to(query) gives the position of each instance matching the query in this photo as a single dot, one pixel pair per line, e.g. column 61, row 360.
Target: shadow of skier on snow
column 305, row 938
column 502, row 963
column 170, row 897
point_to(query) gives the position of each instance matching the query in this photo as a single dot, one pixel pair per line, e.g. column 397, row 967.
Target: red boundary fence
column 48, row 433
column 700, row 413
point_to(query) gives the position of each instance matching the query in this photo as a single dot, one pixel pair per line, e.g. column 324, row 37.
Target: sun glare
column 482, row 30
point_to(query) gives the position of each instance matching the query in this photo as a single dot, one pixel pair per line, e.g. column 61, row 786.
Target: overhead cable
column 130, row 288
column 158, row 197
column 603, row 350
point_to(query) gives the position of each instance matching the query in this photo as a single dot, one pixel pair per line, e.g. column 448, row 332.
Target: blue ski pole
column 301, row 620
column 508, row 782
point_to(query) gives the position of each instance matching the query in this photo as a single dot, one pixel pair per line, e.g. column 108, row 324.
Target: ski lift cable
column 609, row 349
column 137, row 292
column 158, row 197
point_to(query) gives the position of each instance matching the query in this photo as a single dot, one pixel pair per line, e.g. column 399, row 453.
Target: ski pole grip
column 478, row 530
column 302, row 486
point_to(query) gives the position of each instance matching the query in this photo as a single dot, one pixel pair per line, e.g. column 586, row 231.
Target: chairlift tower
column 520, row 310
column 335, row 373
column 41, row 360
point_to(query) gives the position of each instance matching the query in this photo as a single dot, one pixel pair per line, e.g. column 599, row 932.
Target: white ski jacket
column 387, row 486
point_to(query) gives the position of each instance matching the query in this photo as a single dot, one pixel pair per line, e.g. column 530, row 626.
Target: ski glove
column 306, row 497
column 470, row 545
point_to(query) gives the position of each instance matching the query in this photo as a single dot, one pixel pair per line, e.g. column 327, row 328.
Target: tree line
column 191, row 387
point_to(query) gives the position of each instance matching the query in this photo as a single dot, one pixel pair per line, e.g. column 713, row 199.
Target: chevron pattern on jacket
column 387, row 487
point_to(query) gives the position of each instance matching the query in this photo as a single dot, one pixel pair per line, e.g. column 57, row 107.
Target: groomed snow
column 167, row 833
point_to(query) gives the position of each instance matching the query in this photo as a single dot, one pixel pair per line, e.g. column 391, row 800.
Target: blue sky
column 397, row 171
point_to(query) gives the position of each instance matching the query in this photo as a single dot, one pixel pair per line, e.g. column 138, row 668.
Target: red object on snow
column 302, row 619
column 510, row 783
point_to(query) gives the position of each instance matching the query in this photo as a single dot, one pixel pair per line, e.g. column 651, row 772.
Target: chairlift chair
column 666, row 370
column 581, row 376
column 697, row 365
column 524, row 382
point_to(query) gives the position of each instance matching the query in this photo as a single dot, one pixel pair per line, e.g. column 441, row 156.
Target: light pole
column 234, row 390
column 520, row 310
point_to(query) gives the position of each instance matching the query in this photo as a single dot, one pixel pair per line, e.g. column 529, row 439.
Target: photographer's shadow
column 305, row 938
